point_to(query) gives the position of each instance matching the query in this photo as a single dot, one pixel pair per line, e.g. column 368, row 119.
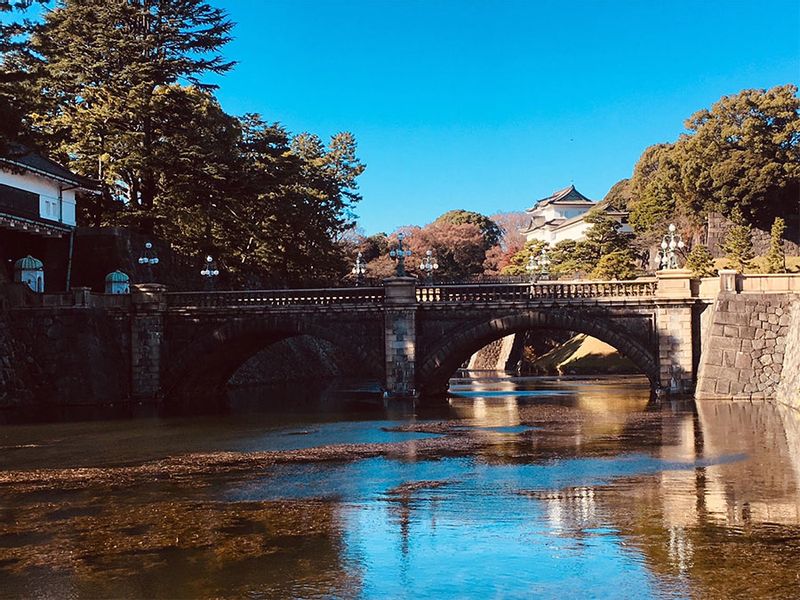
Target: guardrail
column 255, row 298
column 639, row 288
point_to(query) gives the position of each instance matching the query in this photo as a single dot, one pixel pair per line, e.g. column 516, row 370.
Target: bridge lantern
column 118, row 282
column 30, row 271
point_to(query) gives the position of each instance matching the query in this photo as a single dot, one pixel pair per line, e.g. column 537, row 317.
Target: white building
column 561, row 216
column 37, row 195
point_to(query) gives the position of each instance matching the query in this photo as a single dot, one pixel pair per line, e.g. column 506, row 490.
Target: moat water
column 517, row 488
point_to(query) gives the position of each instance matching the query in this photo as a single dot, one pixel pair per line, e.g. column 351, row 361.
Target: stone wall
column 789, row 388
column 718, row 226
column 15, row 370
column 494, row 356
column 60, row 356
column 745, row 351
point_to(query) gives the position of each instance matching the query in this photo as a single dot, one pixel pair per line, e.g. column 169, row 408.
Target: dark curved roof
column 26, row 159
column 568, row 194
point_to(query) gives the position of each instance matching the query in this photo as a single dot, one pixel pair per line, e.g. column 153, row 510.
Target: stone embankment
column 752, row 349
column 789, row 387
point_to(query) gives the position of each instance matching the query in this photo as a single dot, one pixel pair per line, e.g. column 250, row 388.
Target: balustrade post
column 400, row 336
column 148, row 306
column 674, row 328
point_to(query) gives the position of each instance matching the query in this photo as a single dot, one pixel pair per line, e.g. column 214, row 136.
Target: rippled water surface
column 514, row 489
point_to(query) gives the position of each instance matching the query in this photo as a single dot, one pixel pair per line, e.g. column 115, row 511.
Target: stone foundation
column 745, row 352
column 789, row 388
column 719, row 225
column 494, row 356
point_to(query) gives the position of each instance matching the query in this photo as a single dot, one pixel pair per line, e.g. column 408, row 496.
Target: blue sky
column 489, row 105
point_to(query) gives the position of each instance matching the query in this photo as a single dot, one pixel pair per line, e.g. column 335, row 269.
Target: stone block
column 713, row 357
column 730, row 330
column 736, row 388
column 728, row 343
column 729, row 358
column 765, row 359
column 747, row 332
column 707, row 386
column 723, row 387
column 758, row 344
column 742, row 361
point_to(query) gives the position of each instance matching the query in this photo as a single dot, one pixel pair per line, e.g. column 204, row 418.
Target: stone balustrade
column 516, row 292
column 254, row 298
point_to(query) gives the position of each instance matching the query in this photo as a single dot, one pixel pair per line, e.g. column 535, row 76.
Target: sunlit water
column 533, row 488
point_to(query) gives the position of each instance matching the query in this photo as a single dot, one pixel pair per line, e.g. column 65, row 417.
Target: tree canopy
column 744, row 151
column 117, row 91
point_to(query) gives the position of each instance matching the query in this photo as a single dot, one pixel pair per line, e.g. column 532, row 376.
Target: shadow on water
column 512, row 488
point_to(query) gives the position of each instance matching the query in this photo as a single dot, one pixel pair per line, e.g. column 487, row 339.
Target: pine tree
column 700, row 262
column 776, row 259
column 620, row 264
column 103, row 65
column 738, row 244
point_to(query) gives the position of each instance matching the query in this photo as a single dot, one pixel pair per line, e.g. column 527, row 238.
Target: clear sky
column 490, row 105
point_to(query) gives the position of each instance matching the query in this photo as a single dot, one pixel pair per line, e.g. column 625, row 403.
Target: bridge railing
column 516, row 292
column 256, row 298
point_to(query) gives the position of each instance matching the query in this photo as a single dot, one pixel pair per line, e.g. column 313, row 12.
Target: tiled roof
column 25, row 158
column 567, row 195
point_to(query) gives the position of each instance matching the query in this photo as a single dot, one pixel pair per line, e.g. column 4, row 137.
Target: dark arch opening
column 442, row 361
column 199, row 375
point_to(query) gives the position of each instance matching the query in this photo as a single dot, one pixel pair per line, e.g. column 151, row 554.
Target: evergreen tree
column 17, row 96
column 700, row 262
column 776, row 259
column 604, row 236
column 518, row 263
column 285, row 223
column 102, row 67
column 619, row 264
column 738, row 243
column 744, row 150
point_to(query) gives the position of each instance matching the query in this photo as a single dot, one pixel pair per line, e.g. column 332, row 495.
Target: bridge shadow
column 198, row 374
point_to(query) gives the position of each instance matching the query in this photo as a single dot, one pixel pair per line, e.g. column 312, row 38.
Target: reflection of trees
column 727, row 530
column 174, row 549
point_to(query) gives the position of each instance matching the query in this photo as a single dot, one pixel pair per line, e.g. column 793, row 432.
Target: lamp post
column 148, row 259
column 670, row 242
column 428, row 265
column 531, row 268
column 400, row 254
column 538, row 267
column 544, row 265
column 359, row 269
column 210, row 272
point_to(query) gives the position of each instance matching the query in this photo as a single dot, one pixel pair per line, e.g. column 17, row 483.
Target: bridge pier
column 673, row 323
column 148, row 306
column 400, row 336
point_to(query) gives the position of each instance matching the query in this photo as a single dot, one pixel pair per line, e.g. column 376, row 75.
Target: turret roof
column 569, row 195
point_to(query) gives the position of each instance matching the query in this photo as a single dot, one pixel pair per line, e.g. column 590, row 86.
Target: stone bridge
column 411, row 337
column 184, row 346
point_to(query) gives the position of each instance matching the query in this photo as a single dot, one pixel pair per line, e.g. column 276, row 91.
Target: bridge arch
column 442, row 360
column 199, row 369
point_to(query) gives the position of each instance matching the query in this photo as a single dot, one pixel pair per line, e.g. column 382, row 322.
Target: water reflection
column 518, row 488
